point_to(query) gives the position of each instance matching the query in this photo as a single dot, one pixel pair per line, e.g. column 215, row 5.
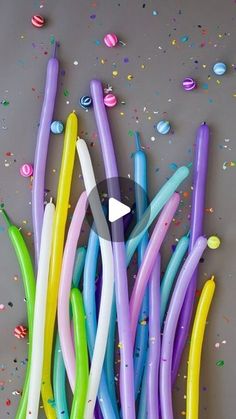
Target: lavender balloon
column 198, row 205
column 121, row 284
column 41, row 151
column 177, row 299
column 153, row 357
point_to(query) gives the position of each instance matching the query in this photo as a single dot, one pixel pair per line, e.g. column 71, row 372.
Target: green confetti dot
column 130, row 133
column 66, row 93
column 52, row 39
column 5, row 102
column 220, row 363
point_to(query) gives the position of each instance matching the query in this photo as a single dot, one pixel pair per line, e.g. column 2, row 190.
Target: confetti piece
column 184, row 38
column 228, row 164
column 5, row 102
column 220, row 363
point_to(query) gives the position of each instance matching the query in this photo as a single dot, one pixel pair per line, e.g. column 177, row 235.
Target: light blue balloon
column 141, row 341
column 219, row 69
column 163, row 127
column 57, row 127
column 90, row 268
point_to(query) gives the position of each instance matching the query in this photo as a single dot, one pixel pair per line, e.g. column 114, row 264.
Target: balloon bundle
column 72, row 327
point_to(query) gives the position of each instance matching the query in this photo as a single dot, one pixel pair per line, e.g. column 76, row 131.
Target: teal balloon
column 172, row 269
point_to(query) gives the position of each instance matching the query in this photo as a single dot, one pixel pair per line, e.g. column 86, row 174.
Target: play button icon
column 118, row 198
column 116, row 210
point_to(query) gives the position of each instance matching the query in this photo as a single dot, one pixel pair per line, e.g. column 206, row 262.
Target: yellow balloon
column 63, row 194
column 196, row 342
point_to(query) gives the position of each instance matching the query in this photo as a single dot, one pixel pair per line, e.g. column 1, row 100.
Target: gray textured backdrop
column 158, row 59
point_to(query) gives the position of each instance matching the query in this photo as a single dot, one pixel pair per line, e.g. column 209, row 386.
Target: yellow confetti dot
column 115, row 73
column 102, row 61
column 142, row 66
column 149, row 118
column 130, row 77
column 183, row 413
column 173, row 42
column 121, row 113
column 204, row 65
column 213, row 242
column 120, row 345
column 218, row 81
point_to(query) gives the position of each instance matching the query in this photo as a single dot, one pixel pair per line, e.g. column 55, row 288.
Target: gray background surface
column 158, row 60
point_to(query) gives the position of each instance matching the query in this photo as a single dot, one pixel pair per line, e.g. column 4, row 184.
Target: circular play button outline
column 116, row 195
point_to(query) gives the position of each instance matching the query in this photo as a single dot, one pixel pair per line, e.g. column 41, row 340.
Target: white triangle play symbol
column 116, row 209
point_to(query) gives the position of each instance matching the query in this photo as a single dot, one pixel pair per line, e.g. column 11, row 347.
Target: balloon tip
column 212, row 278
column 5, row 216
column 54, row 50
column 137, row 141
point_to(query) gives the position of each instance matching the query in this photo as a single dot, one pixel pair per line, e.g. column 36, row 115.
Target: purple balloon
column 153, row 358
column 121, row 283
column 176, row 303
column 198, row 205
column 41, row 151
